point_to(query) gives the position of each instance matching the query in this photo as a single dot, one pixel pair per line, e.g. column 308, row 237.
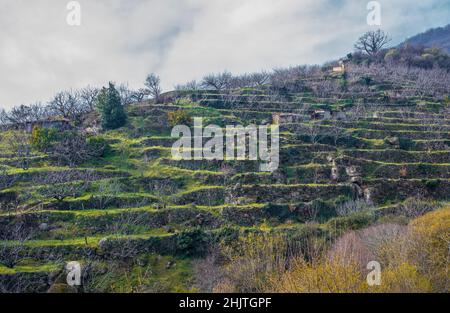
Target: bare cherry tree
column 153, row 84
column 20, row 115
column 353, row 206
column 88, row 96
column 259, row 79
column 126, row 94
column 336, row 130
column 139, row 95
column 68, row 105
column 63, row 184
column 6, row 181
column 19, row 143
column 11, row 254
column 72, row 149
column 313, row 130
column 372, row 42
column 191, row 85
column 217, row 81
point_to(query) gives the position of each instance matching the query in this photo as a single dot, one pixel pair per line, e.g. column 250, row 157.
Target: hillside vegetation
column 436, row 37
column 139, row 221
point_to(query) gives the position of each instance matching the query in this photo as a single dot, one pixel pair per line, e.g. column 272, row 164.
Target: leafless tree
column 248, row 80
column 417, row 206
column 192, row 85
column 218, row 82
column 126, row 222
column 311, row 211
column 360, row 111
column 259, row 79
column 68, row 105
column 10, row 254
column 372, row 42
column 24, row 113
column 353, row 206
column 139, row 95
column 325, row 88
column 153, row 84
column 208, row 271
column 72, row 149
column 126, row 94
column 19, row 143
column 6, row 181
column 63, row 184
column 88, row 96
column 20, row 115
column 294, row 79
column 336, row 130
column 106, row 193
column 313, row 130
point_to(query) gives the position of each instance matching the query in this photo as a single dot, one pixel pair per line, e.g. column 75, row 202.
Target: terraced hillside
column 138, row 220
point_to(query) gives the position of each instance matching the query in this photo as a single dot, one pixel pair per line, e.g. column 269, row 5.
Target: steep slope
column 436, row 37
column 145, row 212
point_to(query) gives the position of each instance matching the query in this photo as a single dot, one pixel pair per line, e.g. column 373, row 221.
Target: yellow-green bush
column 431, row 235
column 413, row 259
column 42, row 138
column 179, row 117
column 329, row 276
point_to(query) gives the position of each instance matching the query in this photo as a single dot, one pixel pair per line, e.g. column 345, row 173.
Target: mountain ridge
column 434, row 37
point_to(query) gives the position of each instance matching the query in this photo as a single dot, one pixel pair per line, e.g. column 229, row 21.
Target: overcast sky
column 181, row 40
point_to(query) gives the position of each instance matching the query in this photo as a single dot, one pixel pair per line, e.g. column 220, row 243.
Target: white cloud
column 123, row 40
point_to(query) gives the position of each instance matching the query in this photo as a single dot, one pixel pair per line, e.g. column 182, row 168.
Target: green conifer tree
column 110, row 107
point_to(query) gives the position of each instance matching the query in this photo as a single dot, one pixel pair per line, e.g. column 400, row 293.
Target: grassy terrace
column 160, row 205
column 44, row 268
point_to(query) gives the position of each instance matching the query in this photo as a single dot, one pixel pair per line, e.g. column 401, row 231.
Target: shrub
column 415, row 207
column 98, row 146
column 405, row 277
column 179, row 117
column 353, row 206
column 250, row 261
column 447, row 101
column 42, row 138
column 431, row 237
column 329, row 276
column 367, row 80
column 340, row 225
column 192, row 242
column 321, row 210
column 432, row 184
column 414, row 258
column 407, row 144
column 71, row 148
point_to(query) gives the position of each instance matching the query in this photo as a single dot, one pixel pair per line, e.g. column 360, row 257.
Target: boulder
column 393, row 141
column 103, row 243
column 43, row 226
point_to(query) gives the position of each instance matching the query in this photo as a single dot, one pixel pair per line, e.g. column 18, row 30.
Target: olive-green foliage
column 99, row 146
column 179, row 117
column 432, row 184
column 339, row 225
column 407, row 144
column 192, row 242
column 42, row 138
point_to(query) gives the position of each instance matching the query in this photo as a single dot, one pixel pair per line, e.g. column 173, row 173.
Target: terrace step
column 289, row 193
column 400, row 156
column 413, row 135
column 397, row 190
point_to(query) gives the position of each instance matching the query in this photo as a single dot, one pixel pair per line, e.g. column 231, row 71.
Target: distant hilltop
column 435, row 37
